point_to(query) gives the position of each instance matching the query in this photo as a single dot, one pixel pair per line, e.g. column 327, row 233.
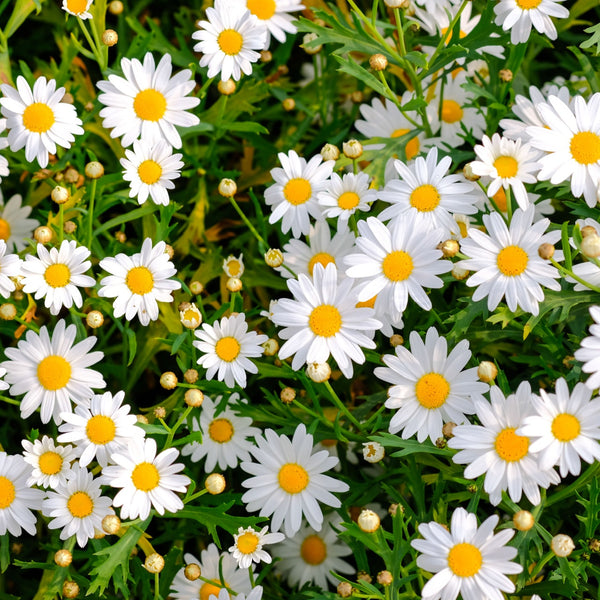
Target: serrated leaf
column 594, row 39
column 407, row 447
column 349, row 66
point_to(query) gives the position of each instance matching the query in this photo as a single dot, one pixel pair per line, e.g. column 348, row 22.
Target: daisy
column 495, row 449
column 15, row 227
column 78, row 8
column 139, row 282
column 52, row 371
column 288, row 481
column 565, row 428
column 227, row 348
column 225, row 436
column 589, row 352
column 343, row 197
column 430, row 386
column 293, row 196
column 56, row 275
column 322, row 320
column 229, row 40
column 151, row 169
column 248, row 544
column 507, row 262
column 274, row 14
column 10, row 266
column 146, row 479
column 77, row 506
column 255, row 594
column 466, row 559
column 147, row 102
column 50, row 463
column 234, row 266
column 4, row 170
column 37, row 119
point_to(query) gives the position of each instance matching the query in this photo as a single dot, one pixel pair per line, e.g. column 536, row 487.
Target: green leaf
column 4, row 552
column 132, row 344
column 408, row 446
column 247, row 126
column 347, row 65
column 594, row 39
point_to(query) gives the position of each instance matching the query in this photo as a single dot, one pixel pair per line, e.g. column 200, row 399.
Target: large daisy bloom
column 15, row 227
column 10, row 266
column 37, row 119
column 230, row 41
column 429, row 386
column 507, row 261
column 52, row 371
column 248, row 545
column 51, row 463
column 288, row 481
column 467, row 560
column 346, row 195
column 147, row 102
column 78, row 8
column 589, row 352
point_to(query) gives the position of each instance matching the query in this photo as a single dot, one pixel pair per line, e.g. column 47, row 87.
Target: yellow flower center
column 230, row 41
column 425, row 198
column 325, row 320
column 432, row 390
column 585, row 147
column 190, row 315
column 220, row 430
column 80, row 505
column 54, row 372
column 150, row 105
column 50, row 463
column 511, row 447
column 565, row 427
column 313, row 550
column 145, row 477
column 321, row 258
column 465, row 560
column 500, row 199
column 139, row 280
column 512, row 261
column 57, row 275
column 451, row 111
column 413, row 146
column 149, row 171
column 210, row 589
column 7, row 492
column 101, row 430
column 234, row 267
column 528, row 4
column 228, row 348
column 293, row 478
column 397, row 265
column 297, row 191
column 77, row 6
column 506, row 166
column 38, row 117
column 263, row 9
column 370, row 303
column 348, row 200
column 462, row 34
column 4, row 229
column 247, row 542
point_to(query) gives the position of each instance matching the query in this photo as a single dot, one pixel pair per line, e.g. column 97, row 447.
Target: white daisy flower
column 587, row 270
column 52, row 371
column 274, row 14
column 4, row 170
column 147, row 479
column 10, row 266
column 234, row 266
column 230, row 41
column 466, row 559
column 430, row 387
column 343, row 197
column 255, row 594
column 248, row 544
column 565, row 428
column 37, row 119
column 99, row 427
column 139, row 282
column 78, row 8
column 322, row 320
column 495, row 449
column 56, row 275
column 225, row 436
column 3, row 385
column 50, row 463
column 77, row 506
column 147, row 102
column 293, row 196
column 151, row 169
column 507, row 261
column 227, row 348
column 436, row 7
column 288, row 481
column 15, row 227
column 589, row 352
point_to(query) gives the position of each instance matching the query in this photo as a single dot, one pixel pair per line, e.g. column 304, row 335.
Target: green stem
column 582, row 480
column 61, row 223
column 342, row 406
column 91, row 214
column 194, row 496
column 570, row 273
column 174, row 429
column 247, row 222
column 156, row 586
column 400, row 31
column 95, row 50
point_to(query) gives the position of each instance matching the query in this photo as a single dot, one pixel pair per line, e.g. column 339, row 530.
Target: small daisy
column 150, row 169
column 56, row 275
column 293, row 196
column 147, row 480
column 248, row 544
column 430, row 387
column 99, row 427
column 274, row 14
column 78, row 8
column 139, row 282
column 466, row 559
column 495, row 449
column 345, row 196
column 37, row 119
column 322, row 321
column 15, row 227
column 77, row 506
column 50, row 463
column 589, row 352
column 52, row 371
column 507, row 261
column 288, row 481
column 230, row 41
column 225, row 436
column 10, row 266
column 147, row 102
column 191, row 317
column 234, row 266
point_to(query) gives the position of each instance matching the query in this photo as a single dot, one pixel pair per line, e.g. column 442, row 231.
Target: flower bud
column 196, row 288
column 309, row 37
column 505, row 75
column 94, row 319
column 344, row 589
column 227, row 188
column 154, row 563
column 546, row 251
column 396, row 340
column 111, row 524
column 459, row 273
column 266, row 56
column 352, row 149
column 70, row 589
column 448, row 429
column 63, row 557
column 234, row 284
column 190, row 316
column 271, row 346
column 60, row 194
column 368, row 521
column 160, row 412
column 43, row 234
column 318, row 372
column 523, row 520
column 215, row 483
column 384, row 578
column 469, row 174
column 590, row 245
column 450, row 248
column 120, row 237
column 487, row 371
column 94, row 170
column 330, row 152
column 110, row 37
column 588, row 230
column 378, row 62
column 562, row 545
column 168, row 380
column 287, row 395
column 115, row 7
column 226, row 87
column 192, row 571
column 274, row 257
column 194, row 398
column 373, row 452
column 8, row 311
column 191, row 376
column 397, row 3
column 70, row 227
column 288, row 104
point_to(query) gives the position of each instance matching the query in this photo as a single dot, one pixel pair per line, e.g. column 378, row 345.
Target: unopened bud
column 154, row 563
column 505, row 75
column 215, row 483
column 196, row 288
column 588, row 230
column 8, row 311
column 226, row 87
column 63, row 557
column 318, row 372
column 168, row 380
column 357, row 96
column 344, row 589
column 110, row 37
column 94, row 319
column 363, row 576
column 271, row 346
column 396, row 340
column 169, row 251
column 287, row 395
column 234, row 284
column 160, row 412
column 42, row 234
column 590, row 245
column 378, row 62
column 330, row 152
column 487, row 371
column 227, row 188
column 115, row 7
column 121, row 237
column 373, row 452
column 274, row 257
column 142, row 419
column 288, row 104
column 191, row 376
column 94, row 170
column 192, row 571
column 459, row 273
column 562, row 545
column 468, row 173
column 309, row 37
column 111, row 524
column 70, row 589
column 194, row 398
column 352, row 149
column 523, row 520
column 368, row 521
column 384, row 578
column 70, row 227
column 189, row 315
column 546, row 251
column 450, row 248
column 266, row 56
column 60, row 194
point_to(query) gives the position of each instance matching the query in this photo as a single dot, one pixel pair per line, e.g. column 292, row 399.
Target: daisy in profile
column 344, row 196
column 37, row 120
column 589, row 352
column 52, row 371
column 10, row 266
column 151, row 169
column 275, row 14
column 231, row 40
column 15, row 227
column 466, row 559
column 288, row 481
column 226, row 349
column 139, row 282
column 248, row 545
column 147, row 479
column 507, row 262
column 77, row 506
column 50, row 463
column 494, row 448
column 233, row 266
column 225, row 436
column 147, row 102
column 429, row 386
column 57, row 274
column 293, row 196
column 78, row 8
